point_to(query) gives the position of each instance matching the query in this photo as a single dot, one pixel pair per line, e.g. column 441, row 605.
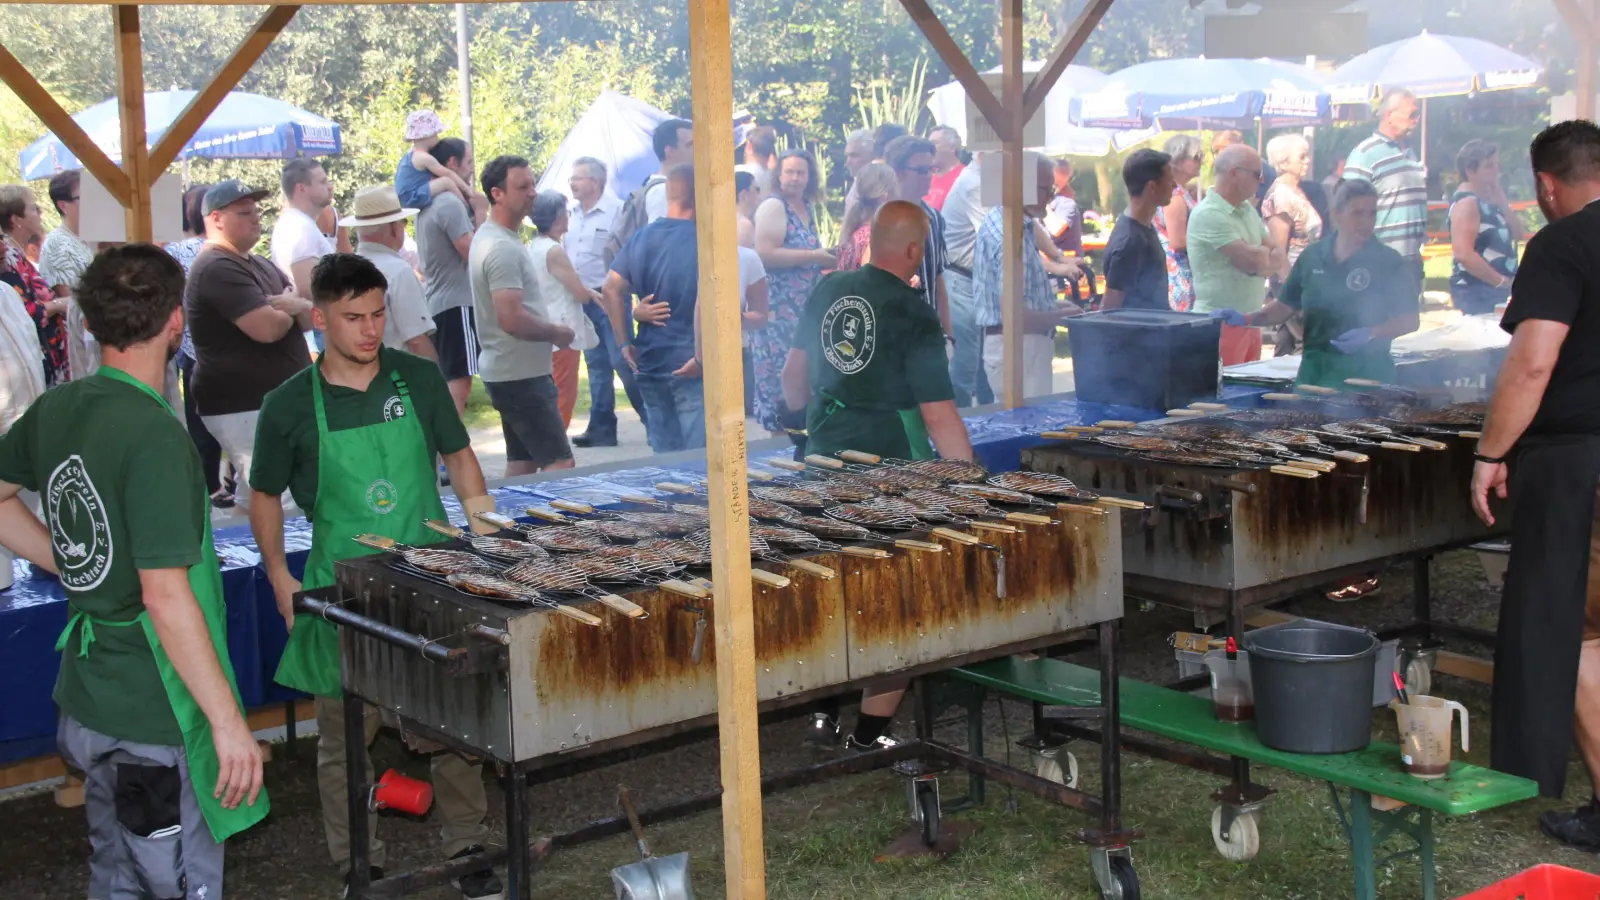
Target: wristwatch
column 1491, row 460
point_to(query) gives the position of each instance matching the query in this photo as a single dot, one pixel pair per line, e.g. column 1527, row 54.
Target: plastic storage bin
column 1150, row 358
column 1544, row 882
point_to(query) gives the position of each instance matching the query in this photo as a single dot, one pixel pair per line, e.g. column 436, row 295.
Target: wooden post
column 711, row 71
column 41, row 104
column 130, row 106
column 1012, row 308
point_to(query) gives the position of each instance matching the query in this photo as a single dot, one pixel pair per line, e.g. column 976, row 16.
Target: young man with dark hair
column 353, row 439
column 1136, row 263
column 761, row 158
column 297, row 242
column 674, row 145
column 149, row 711
column 63, row 257
column 515, row 363
column 1545, row 424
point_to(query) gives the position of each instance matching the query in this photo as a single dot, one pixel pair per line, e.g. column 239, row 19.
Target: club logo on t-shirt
column 382, row 497
column 79, row 529
column 1358, row 279
column 849, row 334
column 394, row 408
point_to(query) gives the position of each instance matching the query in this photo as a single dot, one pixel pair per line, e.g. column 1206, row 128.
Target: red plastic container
column 403, row 793
column 1546, row 882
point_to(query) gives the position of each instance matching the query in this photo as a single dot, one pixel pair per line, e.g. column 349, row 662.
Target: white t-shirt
column 751, row 271
column 296, row 238
column 655, row 201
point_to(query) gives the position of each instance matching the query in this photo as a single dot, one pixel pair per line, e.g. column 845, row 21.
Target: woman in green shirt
column 1357, row 294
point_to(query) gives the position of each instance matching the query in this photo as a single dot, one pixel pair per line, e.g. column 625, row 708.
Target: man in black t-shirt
column 1136, row 264
column 1545, row 420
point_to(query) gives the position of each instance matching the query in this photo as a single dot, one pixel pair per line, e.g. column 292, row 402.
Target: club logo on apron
column 382, row 497
column 1358, row 279
column 849, row 334
column 79, row 530
column 394, row 408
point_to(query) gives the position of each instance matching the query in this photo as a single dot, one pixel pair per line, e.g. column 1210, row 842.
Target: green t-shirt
column 1215, row 223
column 873, row 347
column 1371, row 287
column 121, row 490
column 286, row 448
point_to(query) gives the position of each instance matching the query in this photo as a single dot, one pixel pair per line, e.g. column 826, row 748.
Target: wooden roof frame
column 711, row 72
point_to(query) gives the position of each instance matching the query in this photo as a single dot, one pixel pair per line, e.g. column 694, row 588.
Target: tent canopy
column 617, row 131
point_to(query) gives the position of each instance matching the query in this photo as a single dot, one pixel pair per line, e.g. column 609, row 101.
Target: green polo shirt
column 873, row 347
column 1370, row 288
column 287, row 448
column 1214, row 224
column 121, row 491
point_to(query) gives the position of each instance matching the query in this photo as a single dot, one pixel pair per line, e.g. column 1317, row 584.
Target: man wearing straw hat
column 380, row 225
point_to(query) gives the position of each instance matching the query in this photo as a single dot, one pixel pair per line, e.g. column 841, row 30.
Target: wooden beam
column 716, row 234
column 1583, row 22
column 1579, row 18
column 1012, row 304
column 183, row 128
column 956, row 61
column 38, row 100
column 1062, row 56
column 129, row 54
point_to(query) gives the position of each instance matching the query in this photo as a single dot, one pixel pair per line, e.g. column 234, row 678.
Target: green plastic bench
column 1375, row 771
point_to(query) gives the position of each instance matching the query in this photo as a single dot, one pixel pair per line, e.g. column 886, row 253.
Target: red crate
column 1546, row 882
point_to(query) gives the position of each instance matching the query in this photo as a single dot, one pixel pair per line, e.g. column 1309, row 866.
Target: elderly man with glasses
column 1230, row 254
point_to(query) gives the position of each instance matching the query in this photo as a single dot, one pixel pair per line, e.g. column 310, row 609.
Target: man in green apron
column 353, row 439
column 1358, row 295
column 149, row 711
column 868, row 365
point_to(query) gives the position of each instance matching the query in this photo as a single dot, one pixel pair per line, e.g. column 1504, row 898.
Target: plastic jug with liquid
column 1425, row 733
column 1231, row 695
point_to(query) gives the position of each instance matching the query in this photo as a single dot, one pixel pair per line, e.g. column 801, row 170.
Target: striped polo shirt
column 933, row 256
column 1402, row 185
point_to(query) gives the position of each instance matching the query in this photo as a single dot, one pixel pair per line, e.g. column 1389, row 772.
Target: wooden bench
column 1404, row 805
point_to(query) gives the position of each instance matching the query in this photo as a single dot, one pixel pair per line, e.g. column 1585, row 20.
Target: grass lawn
column 481, row 414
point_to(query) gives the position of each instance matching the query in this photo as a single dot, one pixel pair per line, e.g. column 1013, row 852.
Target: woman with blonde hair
column 875, row 185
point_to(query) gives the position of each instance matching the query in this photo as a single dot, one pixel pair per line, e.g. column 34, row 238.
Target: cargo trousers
column 461, row 806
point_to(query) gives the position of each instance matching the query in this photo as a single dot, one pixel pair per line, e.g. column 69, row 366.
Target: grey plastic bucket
column 1313, row 686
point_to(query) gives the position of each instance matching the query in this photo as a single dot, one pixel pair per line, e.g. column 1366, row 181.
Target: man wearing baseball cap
column 380, row 223
column 245, row 318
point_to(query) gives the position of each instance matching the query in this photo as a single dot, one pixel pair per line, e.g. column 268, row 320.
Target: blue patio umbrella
column 1432, row 65
column 1205, row 93
column 243, row 126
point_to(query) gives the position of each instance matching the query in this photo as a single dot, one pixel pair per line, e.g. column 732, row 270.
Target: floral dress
column 1180, row 280
column 853, row 249
column 787, row 290
column 19, row 272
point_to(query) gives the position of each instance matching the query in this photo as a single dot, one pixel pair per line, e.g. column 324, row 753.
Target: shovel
column 652, row 878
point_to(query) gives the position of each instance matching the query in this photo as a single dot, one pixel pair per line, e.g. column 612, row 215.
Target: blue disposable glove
column 1230, row 317
column 1352, row 340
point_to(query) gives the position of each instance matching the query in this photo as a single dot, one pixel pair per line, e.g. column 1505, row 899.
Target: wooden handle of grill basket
column 857, row 456
column 639, row 498
column 623, row 605
column 1316, row 389
column 673, row 487
column 1208, row 407
column 1067, row 435
column 787, row 465
column 826, row 462
column 1470, row 435
column 497, row 520
column 1115, row 423
column 1123, row 503
column 572, row 506
column 547, row 515
column 1184, row 413
column 376, row 541
column 1280, row 396
column 1431, row 445
column 865, row 552
column 770, row 579
column 919, row 546
column 993, row 526
column 758, row 475
column 572, row 612
column 673, row 585
column 1291, row 470
column 1029, row 519
column 1316, row 465
column 813, row 568
column 444, row 528
column 1363, row 382
column 1351, row 456
column 1082, row 508
column 959, row 537
column 1396, row 445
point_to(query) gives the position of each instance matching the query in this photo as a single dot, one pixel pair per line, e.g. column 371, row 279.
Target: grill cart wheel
column 1243, row 840
column 1123, row 883
column 1050, row 768
column 1419, row 677
column 928, row 803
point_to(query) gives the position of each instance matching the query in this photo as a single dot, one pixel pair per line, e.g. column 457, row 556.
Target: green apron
column 1328, row 367
column 205, row 580
column 916, row 430
column 375, row 479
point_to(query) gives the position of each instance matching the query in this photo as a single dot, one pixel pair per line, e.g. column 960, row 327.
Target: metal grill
column 794, row 496
column 954, row 502
column 504, row 548
column 890, row 480
column 680, row 551
column 933, row 513
column 618, row 531
column 840, row 488
column 874, row 517
column 832, row 528
column 779, row 536
column 563, row 539
column 1041, row 483
column 948, row 471
column 667, row 523
column 998, row 495
column 768, row 509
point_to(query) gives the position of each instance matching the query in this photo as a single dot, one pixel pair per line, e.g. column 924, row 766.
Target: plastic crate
column 1544, row 882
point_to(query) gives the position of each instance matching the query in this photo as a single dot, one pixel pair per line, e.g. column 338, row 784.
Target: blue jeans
column 676, row 410
column 604, row 362
column 966, row 363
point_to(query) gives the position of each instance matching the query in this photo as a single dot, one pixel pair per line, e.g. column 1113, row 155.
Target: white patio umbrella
column 948, row 105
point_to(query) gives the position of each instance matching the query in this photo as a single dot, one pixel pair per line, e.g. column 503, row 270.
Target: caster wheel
column 1050, row 769
column 1419, row 677
column 928, row 804
column 1124, row 881
column 1244, row 838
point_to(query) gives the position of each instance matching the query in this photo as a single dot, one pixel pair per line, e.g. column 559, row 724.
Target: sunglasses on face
column 919, row 170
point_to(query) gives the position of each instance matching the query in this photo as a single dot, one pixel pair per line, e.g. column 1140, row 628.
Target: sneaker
column 884, row 742
column 1354, row 590
column 482, row 884
column 222, row 499
column 1579, row 829
column 588, row 440
column 824, row 732
column 373, row 874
